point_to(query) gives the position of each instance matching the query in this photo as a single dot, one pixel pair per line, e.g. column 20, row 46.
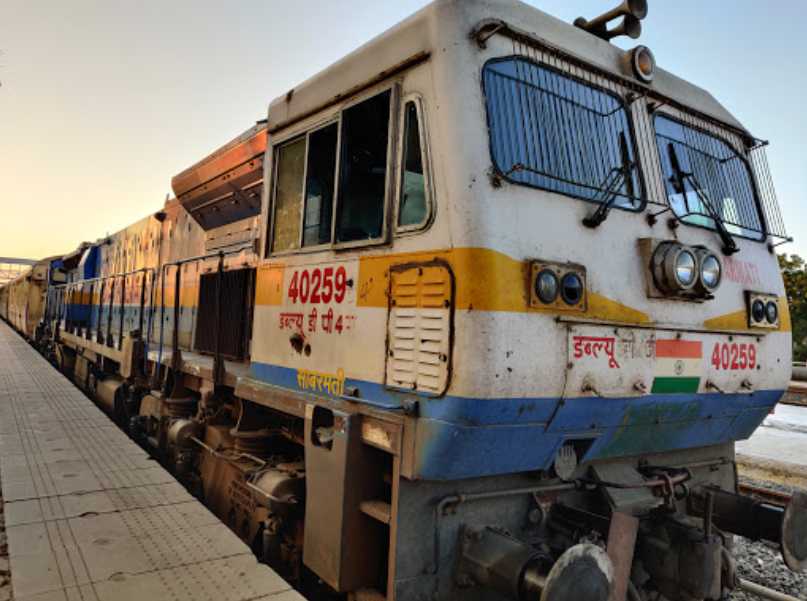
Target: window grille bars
column 643, row 104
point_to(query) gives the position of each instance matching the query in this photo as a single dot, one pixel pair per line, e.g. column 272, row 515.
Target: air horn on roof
column 632, row 13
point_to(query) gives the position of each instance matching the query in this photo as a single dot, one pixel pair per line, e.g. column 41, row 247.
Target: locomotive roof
column 240, row 150
column 446, row 23
column 220, row 189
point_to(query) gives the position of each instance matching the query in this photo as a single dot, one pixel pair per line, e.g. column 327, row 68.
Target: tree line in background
column 794, row 272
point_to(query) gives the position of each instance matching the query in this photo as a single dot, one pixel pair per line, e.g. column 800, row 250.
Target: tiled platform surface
column 90, row 517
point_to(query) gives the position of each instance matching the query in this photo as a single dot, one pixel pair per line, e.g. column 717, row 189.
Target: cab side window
column 319, row 185
column 414, row 209
column 288, row 195
column 334, row 179
column 363, row 177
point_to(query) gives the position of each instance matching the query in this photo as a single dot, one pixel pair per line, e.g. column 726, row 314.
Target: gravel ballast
column 762, row 563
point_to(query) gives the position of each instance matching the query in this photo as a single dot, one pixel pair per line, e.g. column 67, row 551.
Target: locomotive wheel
column 794, row 533
column 582, row 572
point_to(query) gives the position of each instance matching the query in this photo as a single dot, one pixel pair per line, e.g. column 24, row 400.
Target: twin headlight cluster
column 558, row 286
column 687, row 271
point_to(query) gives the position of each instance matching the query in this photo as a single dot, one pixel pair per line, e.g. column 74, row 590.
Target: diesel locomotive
column 476, row 313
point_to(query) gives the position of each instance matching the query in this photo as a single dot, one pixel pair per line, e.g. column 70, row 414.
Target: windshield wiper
column 681, row 178
column 612, row 185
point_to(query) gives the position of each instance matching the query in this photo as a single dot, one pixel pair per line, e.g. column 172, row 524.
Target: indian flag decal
column 678, row 366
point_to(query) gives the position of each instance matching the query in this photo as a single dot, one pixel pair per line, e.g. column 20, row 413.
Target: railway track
column 766, row 495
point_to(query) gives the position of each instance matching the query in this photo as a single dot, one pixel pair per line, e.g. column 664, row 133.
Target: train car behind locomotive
column 507, row 301
column 22, row 300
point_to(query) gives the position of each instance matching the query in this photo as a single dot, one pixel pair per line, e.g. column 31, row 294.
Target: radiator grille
column 236, row 307
column 419, row 329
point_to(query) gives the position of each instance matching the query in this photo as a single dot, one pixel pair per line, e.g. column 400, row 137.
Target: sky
column 103, row 101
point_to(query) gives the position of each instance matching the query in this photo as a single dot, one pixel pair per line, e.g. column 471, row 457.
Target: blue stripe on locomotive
column 460, row 437
column 90, row 265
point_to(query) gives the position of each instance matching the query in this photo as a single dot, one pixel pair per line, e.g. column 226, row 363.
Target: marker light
column 546, row 287
column 643, row 63
column 758, row 311
column 772, row 312
column 711, row 272
column 571, row 289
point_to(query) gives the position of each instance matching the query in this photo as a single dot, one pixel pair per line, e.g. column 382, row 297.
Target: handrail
column 178, row 264
column 59, row 299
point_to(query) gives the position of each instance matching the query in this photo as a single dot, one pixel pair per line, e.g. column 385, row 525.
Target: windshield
column 558, row 133
column 700, row 168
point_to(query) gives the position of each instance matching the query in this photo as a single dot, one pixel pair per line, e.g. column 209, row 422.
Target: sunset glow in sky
column 102, row 102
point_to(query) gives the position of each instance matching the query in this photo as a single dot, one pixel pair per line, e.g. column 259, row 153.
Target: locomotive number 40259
column 318, row 285
column 734, row 356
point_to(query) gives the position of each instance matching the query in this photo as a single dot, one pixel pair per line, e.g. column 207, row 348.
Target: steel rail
column 766, row 495
column 763, row 591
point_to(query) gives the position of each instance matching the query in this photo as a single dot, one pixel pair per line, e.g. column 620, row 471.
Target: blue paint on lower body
column 461, row 437
column 614, row 428
column 81, row 316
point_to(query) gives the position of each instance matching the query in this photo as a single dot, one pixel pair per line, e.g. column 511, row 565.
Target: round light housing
column 758, row 311
column 711, row 272
column 547, row 287
column 675, row 268
column 772, row 312
column 685, row 269
column 643, row 63
column 571, row 289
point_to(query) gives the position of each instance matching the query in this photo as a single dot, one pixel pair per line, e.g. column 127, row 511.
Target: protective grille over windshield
column 572, row 97
column 705, row 176
column 767, row 193
column 557, row 133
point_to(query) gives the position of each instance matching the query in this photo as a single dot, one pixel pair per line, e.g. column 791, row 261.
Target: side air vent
column 419, row 328
column 236, row 298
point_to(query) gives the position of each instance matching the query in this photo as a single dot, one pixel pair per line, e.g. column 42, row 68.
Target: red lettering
column 293, row 290
column 327, row 285
column 734, row 357
column 341, row 285
column 318, row 286
column 316, row 282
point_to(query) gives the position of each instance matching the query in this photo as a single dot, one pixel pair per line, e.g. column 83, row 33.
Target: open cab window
column 414, row 208
column 363, row 172
column 331, row 184
column 320, row 182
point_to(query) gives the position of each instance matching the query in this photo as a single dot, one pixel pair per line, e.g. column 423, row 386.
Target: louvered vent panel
column 420, row 329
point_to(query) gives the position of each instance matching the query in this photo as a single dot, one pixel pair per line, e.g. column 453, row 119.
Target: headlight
column 643, row 63
column 546, row 287
column 772, row 312
column 758, row 311
column 685, row 271
column 571, row 289
column 711, row 272
column 677, row 269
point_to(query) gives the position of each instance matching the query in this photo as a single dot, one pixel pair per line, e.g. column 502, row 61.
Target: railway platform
column 90, row 516
column 777, row 451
